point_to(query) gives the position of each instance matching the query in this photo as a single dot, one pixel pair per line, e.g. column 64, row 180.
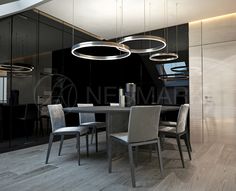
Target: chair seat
column 94, row 124
column 121, row 136
column 167, row 129
column 168, row 123
column 72, row 130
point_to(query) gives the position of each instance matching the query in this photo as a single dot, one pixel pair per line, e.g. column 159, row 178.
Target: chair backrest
column 114, row 104
column 43, row 110
column 143, row 123
column 57, row 116
column 31, row 112
column 182, row 118
column 86, row 117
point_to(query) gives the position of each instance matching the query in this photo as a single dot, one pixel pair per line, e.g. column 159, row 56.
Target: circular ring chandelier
column 160, row 40
column 22, row 75
column 162, row 57
column 123, row 48
column 173, row 77
column 179, row 69
column 16, row 68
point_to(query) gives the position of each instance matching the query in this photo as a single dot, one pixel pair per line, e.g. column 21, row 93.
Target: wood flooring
column 213, row 168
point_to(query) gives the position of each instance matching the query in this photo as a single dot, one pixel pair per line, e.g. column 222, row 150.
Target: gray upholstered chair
column 59, row 128
column 142, row 130
column 88, row 120
column 174, row 124
column 177, row 131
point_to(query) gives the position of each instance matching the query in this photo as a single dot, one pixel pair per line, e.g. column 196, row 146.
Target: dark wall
column 32, row 39
column 29, row 38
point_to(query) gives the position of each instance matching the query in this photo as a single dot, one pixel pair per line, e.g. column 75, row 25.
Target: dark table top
column 106, row 109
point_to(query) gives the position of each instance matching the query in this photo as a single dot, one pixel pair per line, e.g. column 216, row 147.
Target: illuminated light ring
column 179, row 69
column 162, row 57
column 22, row 75
column 16, row 68
column 144, row 38
column 175, row 77
column 121, row 47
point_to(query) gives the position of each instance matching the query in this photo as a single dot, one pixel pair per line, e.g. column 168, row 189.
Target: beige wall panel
column 219, row 92
column 213, row 87
column 219, row 29
column 195, row 34
column 195, row 88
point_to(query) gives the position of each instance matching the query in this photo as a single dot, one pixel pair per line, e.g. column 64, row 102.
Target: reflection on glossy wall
column 212, row 80
column 44, row 44
column 34, row 38
column 29, row 39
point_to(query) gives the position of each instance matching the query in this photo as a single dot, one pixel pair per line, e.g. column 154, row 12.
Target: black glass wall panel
column 31, row 39
column 5, row 41
column 99, row 81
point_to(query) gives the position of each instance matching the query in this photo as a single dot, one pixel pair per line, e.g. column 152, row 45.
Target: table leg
column 108, row 122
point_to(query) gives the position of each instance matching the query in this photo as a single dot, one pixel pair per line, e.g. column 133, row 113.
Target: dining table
column 116, row 117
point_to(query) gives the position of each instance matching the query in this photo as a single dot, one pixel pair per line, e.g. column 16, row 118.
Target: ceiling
column 10, row 7
column 104, row 17
column 6, row 1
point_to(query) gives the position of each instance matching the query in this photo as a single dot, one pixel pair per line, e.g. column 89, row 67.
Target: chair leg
column 131, row 162
column 186, row 140
column 158, row 149
column 78, row 146
column 190, row 146
column 36, row 126
column 136, row 156
column 110, row 155
column 96, row 139
column 41, row 127
column 61, row 143
column 48, row 125
column 87, row 145
column 49, row 147
column 93, row 132
column 150, row 152
column 162, row 140
column 26, row 130
column 180, row 149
